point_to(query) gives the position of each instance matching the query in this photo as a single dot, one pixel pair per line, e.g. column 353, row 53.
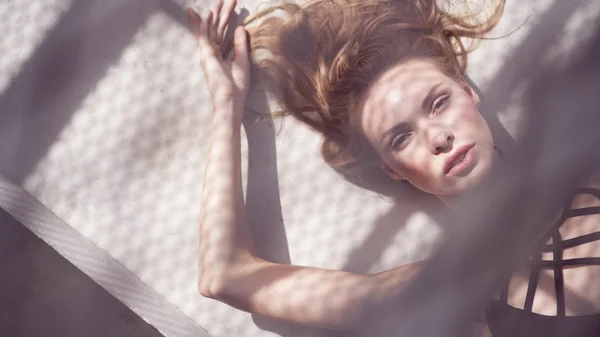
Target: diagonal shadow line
column 387, row 226
column 74, row 55
column 524, row 62
column 498, row 92
column 175, row 11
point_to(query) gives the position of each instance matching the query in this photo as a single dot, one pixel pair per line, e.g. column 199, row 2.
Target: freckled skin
column 432, row 133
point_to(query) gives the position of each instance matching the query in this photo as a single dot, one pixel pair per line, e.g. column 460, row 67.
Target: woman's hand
column 227, row 81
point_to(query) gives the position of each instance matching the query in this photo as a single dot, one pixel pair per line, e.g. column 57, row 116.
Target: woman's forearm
column 229, row 272
column 224, row 234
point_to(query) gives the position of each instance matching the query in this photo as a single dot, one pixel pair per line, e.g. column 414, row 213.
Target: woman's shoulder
column 589, row 199
column 592, row 180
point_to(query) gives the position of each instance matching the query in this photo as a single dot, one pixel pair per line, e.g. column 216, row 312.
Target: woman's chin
column 459, row 184
column 456, row 184
column 474, row 178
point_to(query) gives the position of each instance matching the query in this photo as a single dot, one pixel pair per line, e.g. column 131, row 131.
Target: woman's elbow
column 205, row 290
column 214, row 288
column 217, row 282
column 225, row 292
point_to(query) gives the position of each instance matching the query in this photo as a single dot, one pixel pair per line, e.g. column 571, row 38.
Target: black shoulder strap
column 557, row 263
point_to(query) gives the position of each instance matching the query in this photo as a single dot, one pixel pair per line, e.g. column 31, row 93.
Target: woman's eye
column 398, row 141
column 440, row 103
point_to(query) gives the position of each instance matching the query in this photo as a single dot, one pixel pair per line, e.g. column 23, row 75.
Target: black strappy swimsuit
column 506, row 321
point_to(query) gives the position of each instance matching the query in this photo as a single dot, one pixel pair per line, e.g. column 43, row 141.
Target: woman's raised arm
column 228, row 269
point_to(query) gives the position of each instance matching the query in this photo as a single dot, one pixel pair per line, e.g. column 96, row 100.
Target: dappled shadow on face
column 532, row 183
column 417, row 118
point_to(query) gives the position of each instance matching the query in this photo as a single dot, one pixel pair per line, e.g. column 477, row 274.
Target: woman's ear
column 470, row 91
column 390, row 172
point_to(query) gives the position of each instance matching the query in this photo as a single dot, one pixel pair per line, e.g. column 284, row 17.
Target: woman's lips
column 456, row 166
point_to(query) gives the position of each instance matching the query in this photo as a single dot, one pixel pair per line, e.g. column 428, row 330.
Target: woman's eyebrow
column 427, row 101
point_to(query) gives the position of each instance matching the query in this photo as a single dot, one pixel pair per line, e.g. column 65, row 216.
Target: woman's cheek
column 467, row 113
column 416, row 169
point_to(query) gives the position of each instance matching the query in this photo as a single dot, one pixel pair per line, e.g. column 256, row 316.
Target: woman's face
column 427, row 128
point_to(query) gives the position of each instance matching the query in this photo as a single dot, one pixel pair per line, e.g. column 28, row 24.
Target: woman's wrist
column 227, row 102
column 228, row 111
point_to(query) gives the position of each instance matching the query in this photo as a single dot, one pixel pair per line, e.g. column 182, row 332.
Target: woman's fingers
column 206, row 42
column 200, row 25
column 211, row 30
column 206, row 27
column 224, row 17
column 217, row 11
column 194, row 20
column 210, row 26
column 240, row 41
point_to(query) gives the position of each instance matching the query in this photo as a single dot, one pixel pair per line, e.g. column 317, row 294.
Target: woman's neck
column 461, row 202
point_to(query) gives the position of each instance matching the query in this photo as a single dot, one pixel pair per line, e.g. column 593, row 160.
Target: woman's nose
column 442, row 142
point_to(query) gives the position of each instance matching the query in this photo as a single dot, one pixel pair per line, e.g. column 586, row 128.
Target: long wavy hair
column 324, row 54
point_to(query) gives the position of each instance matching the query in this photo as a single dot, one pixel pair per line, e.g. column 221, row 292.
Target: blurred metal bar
column 96, row 263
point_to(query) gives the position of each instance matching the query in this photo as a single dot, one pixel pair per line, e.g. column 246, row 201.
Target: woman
column 383, row 82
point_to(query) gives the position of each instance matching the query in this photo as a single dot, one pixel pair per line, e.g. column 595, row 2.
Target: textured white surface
column 21, row 35
column 96, row 263
column 125, row 170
